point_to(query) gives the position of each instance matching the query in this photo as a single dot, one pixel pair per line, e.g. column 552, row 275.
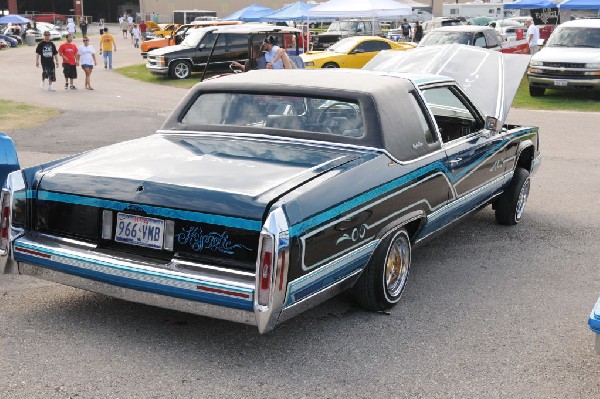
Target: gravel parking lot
column 489, row 311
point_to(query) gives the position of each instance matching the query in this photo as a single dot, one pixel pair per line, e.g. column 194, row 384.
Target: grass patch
column 15, row 115
column 555, row 99
column 139, row 72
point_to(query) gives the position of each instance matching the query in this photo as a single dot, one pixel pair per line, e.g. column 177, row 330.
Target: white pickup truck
column 570, row 60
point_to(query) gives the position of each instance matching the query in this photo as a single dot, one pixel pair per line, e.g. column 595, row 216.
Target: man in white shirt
column 71, row 27
column 533, row 36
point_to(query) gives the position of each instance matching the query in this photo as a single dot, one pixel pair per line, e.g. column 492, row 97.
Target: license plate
column 560, row 83
column 140, row 230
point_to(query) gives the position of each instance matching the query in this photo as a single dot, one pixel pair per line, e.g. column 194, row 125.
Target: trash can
column 30, row 39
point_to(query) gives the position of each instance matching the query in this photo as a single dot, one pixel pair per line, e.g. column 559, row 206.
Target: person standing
column 418, row 35
column 71, row 27
column 107, row 42
column 406, row 30
column 135, row 35
column 68, row 51
column 124, row 26
column 273, row 53
column 101, row 26
column 83, row 26
column 86, row 56
column 46, row 51
column 533, row 36
column 130, row 26
column 143, row 30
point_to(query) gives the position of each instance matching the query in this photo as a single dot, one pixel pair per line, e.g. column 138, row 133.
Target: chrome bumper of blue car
column 192, row 288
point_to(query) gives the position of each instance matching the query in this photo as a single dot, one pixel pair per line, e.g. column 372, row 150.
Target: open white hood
column 489, row 77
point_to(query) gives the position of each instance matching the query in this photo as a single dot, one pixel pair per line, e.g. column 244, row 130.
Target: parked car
column 439, row 22
column 50, row 17
column 594, row 323
column 570, row 60
column 178, row 35
column 473, row 35
column 56, row 32
column 340, row 29
column 10, row 40
column 351, row 52
column 267, row 192
column 214, row 48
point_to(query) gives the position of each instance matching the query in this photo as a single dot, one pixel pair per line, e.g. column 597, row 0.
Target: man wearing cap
column 46, row 51
column 273, row 53
column 107, row 42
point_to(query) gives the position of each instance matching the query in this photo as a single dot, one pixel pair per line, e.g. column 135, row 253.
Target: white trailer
column 470, row 10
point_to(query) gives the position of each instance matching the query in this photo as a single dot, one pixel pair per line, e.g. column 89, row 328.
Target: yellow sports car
column 351, row 52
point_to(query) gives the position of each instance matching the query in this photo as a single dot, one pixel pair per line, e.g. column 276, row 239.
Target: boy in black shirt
column 46, row 50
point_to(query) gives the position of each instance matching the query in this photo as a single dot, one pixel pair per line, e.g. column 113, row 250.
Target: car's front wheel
column 181, row 69
column 511, row 204
column 382, row 282
column 330, row 65
column 536, row 91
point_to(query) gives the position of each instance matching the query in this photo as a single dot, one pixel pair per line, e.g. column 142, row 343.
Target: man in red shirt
column 143, row 29
column 68, row 52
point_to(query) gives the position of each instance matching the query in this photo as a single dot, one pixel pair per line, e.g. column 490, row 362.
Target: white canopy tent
column 359, row 9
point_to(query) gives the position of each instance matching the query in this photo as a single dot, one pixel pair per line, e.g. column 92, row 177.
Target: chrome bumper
column 571, row 84
column 189, row 287
column 158, row 70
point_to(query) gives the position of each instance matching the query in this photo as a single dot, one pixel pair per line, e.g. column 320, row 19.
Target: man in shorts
column 68, row 51
column 46, row 51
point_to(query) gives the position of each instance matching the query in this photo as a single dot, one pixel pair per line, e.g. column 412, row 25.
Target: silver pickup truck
column 569, row 61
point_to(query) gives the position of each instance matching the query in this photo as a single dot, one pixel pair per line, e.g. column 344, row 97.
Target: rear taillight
column 265, row 270
column 4, row 220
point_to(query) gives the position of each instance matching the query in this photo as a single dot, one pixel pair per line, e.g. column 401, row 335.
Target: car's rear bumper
column 188, row 287
column 563, row 83
column 594, row 323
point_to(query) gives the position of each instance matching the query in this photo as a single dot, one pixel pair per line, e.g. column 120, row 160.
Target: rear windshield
column 433, row 38
column 575, row 37
column 320, row 115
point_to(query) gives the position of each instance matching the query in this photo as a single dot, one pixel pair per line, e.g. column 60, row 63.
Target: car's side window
column 491, row 39
column 384, row 46
column 455, row 119
column 479, row 40
column 368, row 47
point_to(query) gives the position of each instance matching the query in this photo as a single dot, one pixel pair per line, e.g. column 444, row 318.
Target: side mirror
column 493, row 124
column 357, row 51
column 201, row 46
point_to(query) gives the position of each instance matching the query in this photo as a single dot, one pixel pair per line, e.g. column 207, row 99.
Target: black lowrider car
column 267, row 192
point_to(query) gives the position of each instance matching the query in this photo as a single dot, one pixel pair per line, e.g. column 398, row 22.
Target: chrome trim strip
column 227, row 290
column 168, row 302
column 319, row 297
column 331, row 271
column 275, row 226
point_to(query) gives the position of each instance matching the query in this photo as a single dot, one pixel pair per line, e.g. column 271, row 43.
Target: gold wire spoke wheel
column 397, row 264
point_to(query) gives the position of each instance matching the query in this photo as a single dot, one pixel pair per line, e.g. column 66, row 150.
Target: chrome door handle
column 455, row 161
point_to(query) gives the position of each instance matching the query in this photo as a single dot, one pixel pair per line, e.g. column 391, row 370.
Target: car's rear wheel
column 181, row 69
column 511, row 204
column 536, row 91
column 330, row 65
column 382, row 282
